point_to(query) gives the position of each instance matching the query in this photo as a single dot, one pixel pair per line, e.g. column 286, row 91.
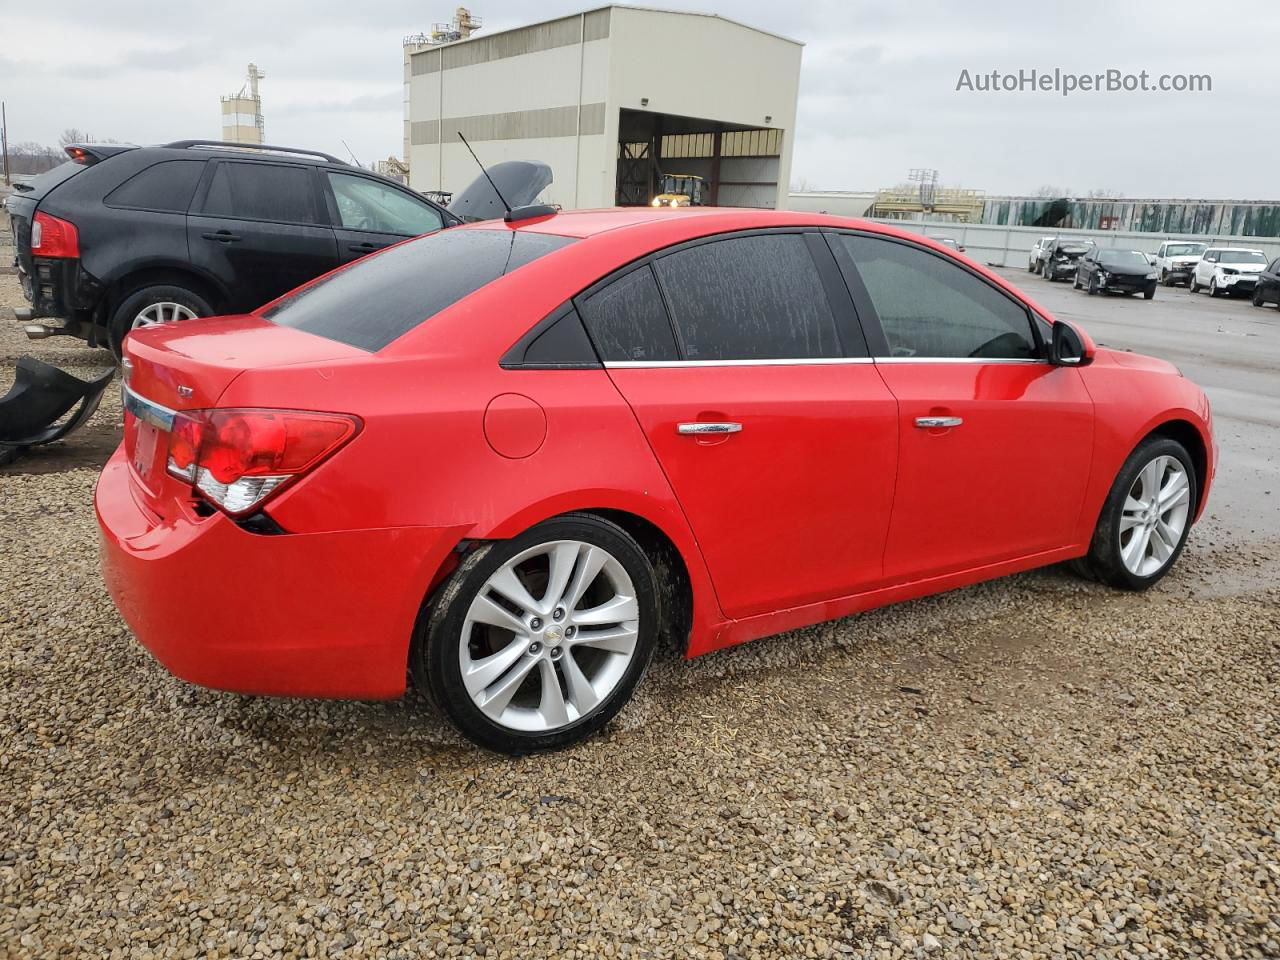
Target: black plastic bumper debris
column 41, row 396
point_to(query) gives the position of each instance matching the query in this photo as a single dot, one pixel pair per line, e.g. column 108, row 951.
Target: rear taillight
column 239, row 458
column 51, row 237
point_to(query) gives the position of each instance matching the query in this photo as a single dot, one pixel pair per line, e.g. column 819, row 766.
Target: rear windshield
column 39, row 185
column 379, row 299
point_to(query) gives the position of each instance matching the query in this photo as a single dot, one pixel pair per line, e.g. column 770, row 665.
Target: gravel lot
column 1035, row 767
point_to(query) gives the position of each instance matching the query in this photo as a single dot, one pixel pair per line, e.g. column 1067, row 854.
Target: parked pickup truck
column 1176, row 259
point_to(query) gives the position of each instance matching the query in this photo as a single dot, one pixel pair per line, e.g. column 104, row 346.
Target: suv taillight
column 51, row 237
column 240, row 458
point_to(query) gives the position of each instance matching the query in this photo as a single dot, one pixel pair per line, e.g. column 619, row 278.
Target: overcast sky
column 877, row 95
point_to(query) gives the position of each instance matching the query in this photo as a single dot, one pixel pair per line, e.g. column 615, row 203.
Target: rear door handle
column 935, row 423
column 700, row 428
column 366, row 247
column 222, row 236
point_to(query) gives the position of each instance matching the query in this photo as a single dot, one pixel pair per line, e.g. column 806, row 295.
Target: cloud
column 877, row 90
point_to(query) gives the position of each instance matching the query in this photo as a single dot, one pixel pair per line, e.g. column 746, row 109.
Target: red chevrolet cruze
column 506, row 458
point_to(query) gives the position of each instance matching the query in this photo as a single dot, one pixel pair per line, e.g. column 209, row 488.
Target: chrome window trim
column 960, row 360
column 808, row 362
column 811, row 362
column 146, row 410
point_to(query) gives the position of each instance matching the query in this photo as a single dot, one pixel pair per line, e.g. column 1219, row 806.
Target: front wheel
column 536, row 643
column 1146, row 518
column 1075, row 281
column 1257, row 296
column 1192, row 286
column 1164, row 278
column 1093, row 286
column 152, row 306
column 1150, row 292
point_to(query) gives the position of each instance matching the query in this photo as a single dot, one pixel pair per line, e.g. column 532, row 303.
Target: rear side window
column 168, row 185
column 365, row 204
column 931, row 307
column 261, row 191
column 627, row 320
column 749, row 298
column 380, row 298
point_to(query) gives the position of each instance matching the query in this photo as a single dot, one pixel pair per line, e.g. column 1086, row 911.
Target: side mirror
column 1068, row 347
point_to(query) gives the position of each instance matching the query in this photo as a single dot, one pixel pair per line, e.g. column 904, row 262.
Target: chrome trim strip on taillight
column 146, row 410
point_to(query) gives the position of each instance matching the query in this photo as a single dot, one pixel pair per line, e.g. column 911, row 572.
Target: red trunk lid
column 188, row 366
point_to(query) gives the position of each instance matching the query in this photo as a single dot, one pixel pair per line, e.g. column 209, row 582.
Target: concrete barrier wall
column 1000, row 246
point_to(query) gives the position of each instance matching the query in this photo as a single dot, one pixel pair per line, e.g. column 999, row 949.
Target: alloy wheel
column 157, row 313
column 549, row 636
column 1154, row 516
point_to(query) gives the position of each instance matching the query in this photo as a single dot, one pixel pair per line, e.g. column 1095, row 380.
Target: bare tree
column 801, row 185
column 1048, row 190
column 72, row 135
column 1101, row 192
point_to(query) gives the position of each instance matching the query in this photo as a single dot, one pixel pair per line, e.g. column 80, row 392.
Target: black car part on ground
column 41, row 396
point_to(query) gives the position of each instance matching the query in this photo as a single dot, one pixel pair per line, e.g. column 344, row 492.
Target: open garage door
column 737, row 165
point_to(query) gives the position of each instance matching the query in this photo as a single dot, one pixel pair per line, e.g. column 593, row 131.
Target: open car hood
column 519, row 180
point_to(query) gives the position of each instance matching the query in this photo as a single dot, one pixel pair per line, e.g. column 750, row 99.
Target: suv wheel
column 154, row 305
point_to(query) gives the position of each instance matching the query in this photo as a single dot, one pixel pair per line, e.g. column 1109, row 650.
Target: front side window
column 261, row 191
column 749, row 298
column 931, row 307
column 628, row 322
column 365, row 204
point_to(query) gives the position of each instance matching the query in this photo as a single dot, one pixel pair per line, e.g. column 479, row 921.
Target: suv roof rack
column 252, row 147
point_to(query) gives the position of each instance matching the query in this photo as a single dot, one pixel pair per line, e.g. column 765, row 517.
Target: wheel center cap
column 554, row 634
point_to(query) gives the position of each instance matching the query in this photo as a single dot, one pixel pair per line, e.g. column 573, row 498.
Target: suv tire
column 127, row 314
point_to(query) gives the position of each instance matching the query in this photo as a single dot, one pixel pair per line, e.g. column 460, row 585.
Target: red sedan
column 506, row 458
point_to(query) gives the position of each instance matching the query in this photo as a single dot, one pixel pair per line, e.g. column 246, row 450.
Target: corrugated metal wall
column 1189, row 217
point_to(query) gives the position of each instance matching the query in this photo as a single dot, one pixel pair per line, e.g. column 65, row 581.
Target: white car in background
column 1039, row 250
column 1228, row 270
column 1176, row 259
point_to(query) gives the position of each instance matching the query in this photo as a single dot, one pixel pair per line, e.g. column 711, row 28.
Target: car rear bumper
column 314, row 615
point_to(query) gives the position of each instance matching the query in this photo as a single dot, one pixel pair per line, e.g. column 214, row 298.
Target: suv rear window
column 167, row 186
column 374, row 301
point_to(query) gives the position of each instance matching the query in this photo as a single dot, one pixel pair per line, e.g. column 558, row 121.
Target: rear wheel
column 536, row 643
column 1146, row 518
column 152, row 306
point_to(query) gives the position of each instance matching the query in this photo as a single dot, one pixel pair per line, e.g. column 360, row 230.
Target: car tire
column 165, row 300
column 1031, row 266
column 1164, row 278
column 1111, row 556
column 1093, row 286
column 1213, row 286
column 1257, row 296
column 515, row 711
column 1150, row 292
column 1075, row 281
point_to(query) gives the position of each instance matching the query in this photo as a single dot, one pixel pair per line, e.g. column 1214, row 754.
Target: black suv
column 120, row 236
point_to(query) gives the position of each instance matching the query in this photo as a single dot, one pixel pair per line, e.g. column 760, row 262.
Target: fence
column 1000, row 246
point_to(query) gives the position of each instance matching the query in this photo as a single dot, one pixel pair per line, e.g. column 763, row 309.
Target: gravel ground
column 1035, row 767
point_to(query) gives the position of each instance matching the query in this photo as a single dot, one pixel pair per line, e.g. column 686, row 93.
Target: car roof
column 1235, row 249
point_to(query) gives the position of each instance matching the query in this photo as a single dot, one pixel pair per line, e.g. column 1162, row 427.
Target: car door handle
column 222, row 236
column 701, row 429
column 365, row 247
column 936, row 423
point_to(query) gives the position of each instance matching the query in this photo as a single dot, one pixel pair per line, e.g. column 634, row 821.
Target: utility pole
column 4, row 141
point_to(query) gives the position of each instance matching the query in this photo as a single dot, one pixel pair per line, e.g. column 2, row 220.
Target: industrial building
column 242, row 120
column 612, row 99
